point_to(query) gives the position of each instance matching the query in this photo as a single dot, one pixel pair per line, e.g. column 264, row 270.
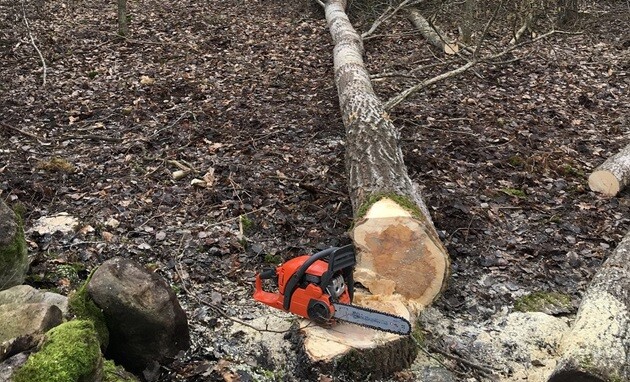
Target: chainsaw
column 320, row 287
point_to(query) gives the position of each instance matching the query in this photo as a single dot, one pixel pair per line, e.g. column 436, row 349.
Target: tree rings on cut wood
column 351, row 352
column 597, row 348
column 613, row 175
column 399, row 258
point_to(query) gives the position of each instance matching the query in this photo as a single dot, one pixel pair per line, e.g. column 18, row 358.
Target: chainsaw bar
column 371, row 318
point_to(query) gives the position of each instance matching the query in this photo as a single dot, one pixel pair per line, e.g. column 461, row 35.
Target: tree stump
column 612, row 175
column 597, row 348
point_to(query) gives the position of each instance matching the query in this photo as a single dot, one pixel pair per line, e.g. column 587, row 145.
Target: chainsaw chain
column 370, row 310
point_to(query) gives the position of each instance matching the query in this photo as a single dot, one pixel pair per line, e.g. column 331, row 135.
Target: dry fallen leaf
column 146, row 80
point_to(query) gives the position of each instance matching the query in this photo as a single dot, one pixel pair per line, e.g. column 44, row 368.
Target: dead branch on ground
column 30, row 35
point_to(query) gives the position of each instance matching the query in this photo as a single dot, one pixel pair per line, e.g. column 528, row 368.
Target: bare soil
column 242, row 93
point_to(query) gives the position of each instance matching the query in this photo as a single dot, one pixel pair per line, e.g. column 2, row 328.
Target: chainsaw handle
column 268, row 274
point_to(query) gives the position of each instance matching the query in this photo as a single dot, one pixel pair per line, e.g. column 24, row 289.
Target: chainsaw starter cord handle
column 297, row 276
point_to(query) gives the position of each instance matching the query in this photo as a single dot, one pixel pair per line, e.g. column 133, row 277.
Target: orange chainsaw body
column 308, row 285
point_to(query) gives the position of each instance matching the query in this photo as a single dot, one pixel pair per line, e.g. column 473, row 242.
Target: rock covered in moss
column 70, row 353
column 13, row 253
column 83, row 307
column 145, row 321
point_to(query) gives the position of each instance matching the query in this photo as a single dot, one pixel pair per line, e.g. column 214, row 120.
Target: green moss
column 115, row 373
column 84, row 308
column 543, row 302
column 246, row 223
column 273, row 259
column 419, row 335
column 516, row 161
column 70, row 353
column 402, row 201
column 14, row 259
column 514, row 192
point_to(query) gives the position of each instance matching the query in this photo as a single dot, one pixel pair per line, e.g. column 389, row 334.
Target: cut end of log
column 398, row 259
column 451, row 48
column 605, row 182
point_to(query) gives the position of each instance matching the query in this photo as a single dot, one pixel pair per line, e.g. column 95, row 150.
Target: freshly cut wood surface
column 597, row 348
column 398, row 257
column 612, row 175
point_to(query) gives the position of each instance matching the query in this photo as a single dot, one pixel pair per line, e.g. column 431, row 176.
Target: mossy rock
column 13, row 251
column 83, row 307
column 552, row 303
column 70, row 353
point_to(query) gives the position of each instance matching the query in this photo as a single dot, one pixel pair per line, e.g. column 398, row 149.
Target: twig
column 91, row 137
column 484, row 34
column 400, row 97
column 385, row 16
column 28, row 29
column 22, row 131
column 488, row 371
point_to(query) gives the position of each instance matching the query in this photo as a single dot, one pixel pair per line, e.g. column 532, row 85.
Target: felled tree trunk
column 431, row 33
column 597, row 348
column 400, row 259
column 612, row 175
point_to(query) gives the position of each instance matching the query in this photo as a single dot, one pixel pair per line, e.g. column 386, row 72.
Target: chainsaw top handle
column 339, row 258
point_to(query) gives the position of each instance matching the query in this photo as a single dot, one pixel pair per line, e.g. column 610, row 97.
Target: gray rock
column 144, row 318
column 10, row 365
column 28, row 294
column 23, row 325
column 23, row 319
column 13, row 253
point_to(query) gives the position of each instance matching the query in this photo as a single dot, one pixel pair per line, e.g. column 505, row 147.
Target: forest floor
column 242, row 93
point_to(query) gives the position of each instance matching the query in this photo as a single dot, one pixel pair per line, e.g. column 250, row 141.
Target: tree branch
column 28, row 29
column 400, row 97
column 385, row 16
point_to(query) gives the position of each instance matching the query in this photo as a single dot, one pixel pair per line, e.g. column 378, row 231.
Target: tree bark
column 567, row 11
column 400, row 259
column 431, row 33
column 612, row 175
column 597, row 348
column 123, row 26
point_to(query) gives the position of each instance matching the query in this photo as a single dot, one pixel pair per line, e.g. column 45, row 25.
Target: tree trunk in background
column 467, row 21
column 432, row 34
column 567, row 11
column 597, row 348
column 123, row 27
column 400, row 259
column 612, row 175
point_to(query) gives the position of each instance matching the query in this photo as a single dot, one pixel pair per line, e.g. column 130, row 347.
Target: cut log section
column 400, row 259
column 431, row 33
column 597, row 348
column 612, row 175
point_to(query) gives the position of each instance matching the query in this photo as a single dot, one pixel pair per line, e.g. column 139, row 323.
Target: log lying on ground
column 612, row 175
column 431, row 33
column 400, row 259
column 597, row 348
